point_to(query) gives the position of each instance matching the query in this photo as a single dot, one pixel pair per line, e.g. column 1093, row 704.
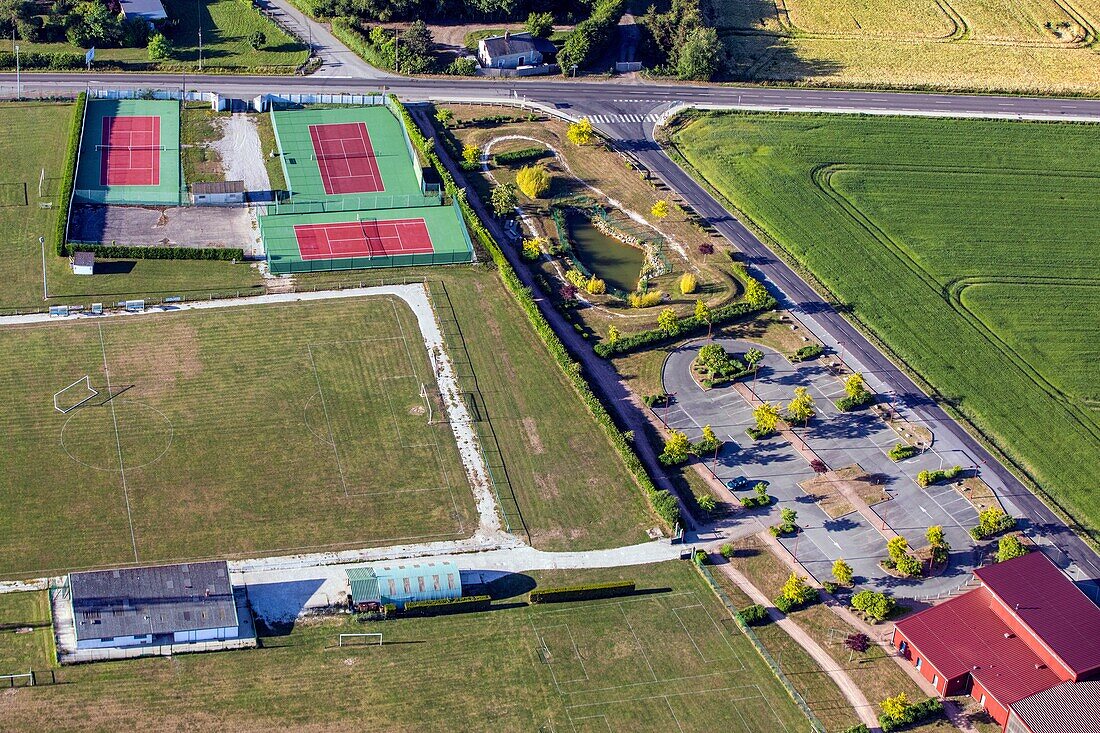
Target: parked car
column 742, row 483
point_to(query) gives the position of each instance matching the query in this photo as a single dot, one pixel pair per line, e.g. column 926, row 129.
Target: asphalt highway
column 627, row 114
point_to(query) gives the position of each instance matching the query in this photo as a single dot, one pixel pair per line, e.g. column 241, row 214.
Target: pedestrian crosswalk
column 642, row 101
column 612, row 119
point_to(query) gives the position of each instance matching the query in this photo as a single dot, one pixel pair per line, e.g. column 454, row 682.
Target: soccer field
column 668, row 659
column 968, row 246
column 260, row 429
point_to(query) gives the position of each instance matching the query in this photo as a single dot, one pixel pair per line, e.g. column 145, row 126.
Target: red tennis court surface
column 345, row 158
column 130, row 151
column 363, row 239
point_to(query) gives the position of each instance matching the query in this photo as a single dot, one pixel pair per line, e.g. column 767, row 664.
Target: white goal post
column 366, row 637
column 92, row 393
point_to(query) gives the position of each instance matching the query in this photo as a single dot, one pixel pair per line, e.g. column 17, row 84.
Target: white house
column 217, row 193
column 162, row 605
column 513, row 50
column 152, row 11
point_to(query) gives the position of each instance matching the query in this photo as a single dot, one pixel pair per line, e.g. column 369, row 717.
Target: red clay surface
column 132, row 153
column 346, row 158
column 363, row 239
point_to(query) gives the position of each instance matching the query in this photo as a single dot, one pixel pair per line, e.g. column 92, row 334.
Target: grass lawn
column 988, row 45
column 252, row 430
column 268, row 145
column 198, row 129
column 25, row 651
column 968, row 247
column 671, row 658
column 226, row 27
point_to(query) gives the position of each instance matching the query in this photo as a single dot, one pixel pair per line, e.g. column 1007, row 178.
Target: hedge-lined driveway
column 837, row 438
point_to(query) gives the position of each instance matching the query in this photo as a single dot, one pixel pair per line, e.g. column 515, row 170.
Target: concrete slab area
column 167, row 226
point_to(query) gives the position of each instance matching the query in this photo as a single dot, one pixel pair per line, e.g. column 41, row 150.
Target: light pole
column 42, row 244
column 18, row 86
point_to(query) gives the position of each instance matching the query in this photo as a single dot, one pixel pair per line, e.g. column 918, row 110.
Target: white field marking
column 328, row 422
column 118, row 444
column 758, row 696
column 638, row 642
column 673, row 713
column 576, row 653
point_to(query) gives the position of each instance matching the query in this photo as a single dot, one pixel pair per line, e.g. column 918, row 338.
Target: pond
column 617, row 264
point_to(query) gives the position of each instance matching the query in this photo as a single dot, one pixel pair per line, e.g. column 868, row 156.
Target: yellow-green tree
column 595, row 286
column 471, row 154
column 667, row 322
column 796, row 590
column 766, row 416
column 660, row 209
column 581, row 132
column 842, row 571
column 688, row 283
column 613, row 334
column 896, row 706
column 532, row 248
column 677, row 449
column 854, row 385
column 533, row 180
column 801, row 406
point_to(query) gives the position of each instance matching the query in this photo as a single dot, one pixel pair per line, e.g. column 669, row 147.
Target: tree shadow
column 755, row 54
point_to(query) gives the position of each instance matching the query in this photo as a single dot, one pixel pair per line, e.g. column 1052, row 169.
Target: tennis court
column 130, row 153
column 343, row 240
column 345, row 158
column 334, row 153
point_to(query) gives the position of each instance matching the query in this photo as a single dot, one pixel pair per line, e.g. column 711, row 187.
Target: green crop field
column 969, row 247
column 668, row 659
column 254, row 430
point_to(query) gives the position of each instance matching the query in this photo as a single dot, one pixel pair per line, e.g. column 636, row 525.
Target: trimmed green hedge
column 441, row 606
column 901, row 451
column 524, row 155
column 916, row 713
column 806, row 353
column 848, row 404
column 36, row 60
column 663, row 502
column 686, row 327
column 753, row 615
column 68, row 175
column 587, row 592
column 120, row 251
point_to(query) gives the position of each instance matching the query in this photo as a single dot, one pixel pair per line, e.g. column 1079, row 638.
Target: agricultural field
column 667, row 657
column 255, row 430
column 1039, row 46
column 968, row 247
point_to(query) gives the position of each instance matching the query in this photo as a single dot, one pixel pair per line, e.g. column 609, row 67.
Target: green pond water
column 617, row 264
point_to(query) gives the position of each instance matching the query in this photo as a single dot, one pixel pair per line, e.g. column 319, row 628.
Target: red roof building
column 1025, row 630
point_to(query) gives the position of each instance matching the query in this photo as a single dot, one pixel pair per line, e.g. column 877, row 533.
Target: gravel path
column 242, row 157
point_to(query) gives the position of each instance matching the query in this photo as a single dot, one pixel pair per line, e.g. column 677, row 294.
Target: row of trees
column 85, row 23
column 679, row 43
column 801, row 409
column 591, row 36
column 387, row 11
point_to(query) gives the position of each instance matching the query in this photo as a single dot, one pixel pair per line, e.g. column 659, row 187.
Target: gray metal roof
column 516, row 43
column 83, row 258
column 218, row 187
column 151, row 9
column 1071, row 707
column 153, row 600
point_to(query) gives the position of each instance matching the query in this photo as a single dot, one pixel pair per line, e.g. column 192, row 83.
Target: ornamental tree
column 581, row 132
column 842, row 571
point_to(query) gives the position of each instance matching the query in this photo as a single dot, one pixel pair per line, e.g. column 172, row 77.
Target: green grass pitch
column 254, row 430
column 670, row 659
column 968, row 246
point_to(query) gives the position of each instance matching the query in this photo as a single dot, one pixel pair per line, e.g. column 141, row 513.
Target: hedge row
column 807, row 352
column 68, row 174
column 753, row 615
column 848, row 403
column 443, row 606
column 663, row 502
column 520, row 156
column 114, row 251
column 685, row 327
column 860, row 728
column 591, row 36
column 916, row 713
column 36, row 60
column 587, row 592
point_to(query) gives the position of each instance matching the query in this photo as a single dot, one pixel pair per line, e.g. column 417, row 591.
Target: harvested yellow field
column 871, row 18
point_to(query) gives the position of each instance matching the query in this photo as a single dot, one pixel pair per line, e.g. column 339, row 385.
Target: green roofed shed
column 403, row 582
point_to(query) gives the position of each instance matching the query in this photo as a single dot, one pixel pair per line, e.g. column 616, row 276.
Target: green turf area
column 21, row 650
column 670, row 659
column 450, row 241
column 90, row 190
column 303, row 173
column 252, row 430
column 969, row 247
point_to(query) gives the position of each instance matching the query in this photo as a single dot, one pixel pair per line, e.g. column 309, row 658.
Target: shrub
column 860, row 728
column 584, row 592
column 581, row 132
column 850, row 403
column 533, row 181
column 160, row 48
column 520, row 156
column 677, row 449
column 1010, row 547
column 503, row 198
column 660, row 209
column 471, row 156
column 664, row 504
column 443, row 606
column 532, row 249
column 595, row 286
column 927, row 478
column 807, row 352
column 876, row 606
column 257, row 39
column 576, row 278
column 992, row 522
column 462, row 66
column 644, row 300
column 688, row 283
column 901, row 451
column 650, row 400
column 707, row 503
column 797, row 591
column 909, row 714
column 753, row 615
column 726, row 551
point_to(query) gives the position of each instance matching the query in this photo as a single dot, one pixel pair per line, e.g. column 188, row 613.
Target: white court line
column 118, row 443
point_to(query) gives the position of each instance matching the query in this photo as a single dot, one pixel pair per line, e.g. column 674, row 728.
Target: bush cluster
column 786, row 605
column 524, row 155
column 650, row 400
column 759, row 497
column 591, row 37
column 901, row 451
column 753, row 615
column 849, row 403
column 716, row 366
column 585, row 592
column 663, row 502
column 116, row 251
column 36, row 60
column 992, row 522
column 68, row 175
column 860, row 728
column 443, row 606
column 927, row 478
column 916, row 713
column 807, row 352
column 645, row 300
column 877, row 606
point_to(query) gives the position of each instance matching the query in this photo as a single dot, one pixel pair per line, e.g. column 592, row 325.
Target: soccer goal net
column 76, row 394
column 371, row 639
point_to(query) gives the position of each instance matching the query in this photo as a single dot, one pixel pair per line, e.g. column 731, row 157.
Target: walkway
column 336, row 59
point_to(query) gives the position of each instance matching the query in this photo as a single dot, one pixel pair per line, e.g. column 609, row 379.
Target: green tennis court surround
column 130, row 153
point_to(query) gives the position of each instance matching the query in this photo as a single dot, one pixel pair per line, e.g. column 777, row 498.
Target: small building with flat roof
column 382, row 584
column 154, row 606
column 217, row 193
column 151, row 11
column 1026, row 630
column 83, row 263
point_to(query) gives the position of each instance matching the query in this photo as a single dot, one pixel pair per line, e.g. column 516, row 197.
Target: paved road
column 628, row 114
